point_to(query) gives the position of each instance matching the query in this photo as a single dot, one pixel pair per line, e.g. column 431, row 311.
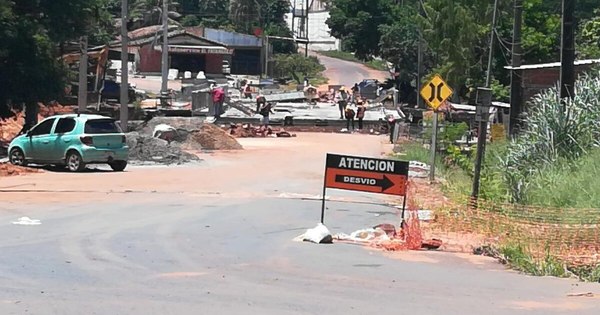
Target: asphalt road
column 217, row 238
column 341, row 72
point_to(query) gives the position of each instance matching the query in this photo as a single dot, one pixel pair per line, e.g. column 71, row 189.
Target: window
column 43, row 128
column 100, row 126
column 65, row 125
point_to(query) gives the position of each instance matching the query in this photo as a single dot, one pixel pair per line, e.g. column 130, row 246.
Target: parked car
column 368, row 88
column 73, row 141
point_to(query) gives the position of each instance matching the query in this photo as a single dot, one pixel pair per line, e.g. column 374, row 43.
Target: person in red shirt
column 218, row 97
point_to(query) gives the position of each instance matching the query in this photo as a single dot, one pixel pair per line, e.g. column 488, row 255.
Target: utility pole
column 307, row 27
column 124, row 66
column 516, row 96
column 567, row 55
column 165, row 51
column 83, row 68
column 483, row 107
column 266, row 56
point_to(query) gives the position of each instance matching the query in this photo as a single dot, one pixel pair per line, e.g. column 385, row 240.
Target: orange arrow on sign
column 374, row 182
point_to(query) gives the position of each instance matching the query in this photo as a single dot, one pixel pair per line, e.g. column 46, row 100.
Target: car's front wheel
column 118, row 166
column 74, row 162
column 17, row 157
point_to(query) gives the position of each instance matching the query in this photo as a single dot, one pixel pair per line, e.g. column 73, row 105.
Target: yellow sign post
column 436, row 92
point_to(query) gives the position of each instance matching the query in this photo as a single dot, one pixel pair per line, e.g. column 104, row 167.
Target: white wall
column 318, row 32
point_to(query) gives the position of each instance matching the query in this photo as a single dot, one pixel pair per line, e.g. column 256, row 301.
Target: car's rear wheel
column 74, row 162
column 118, row 166
column 17, row 157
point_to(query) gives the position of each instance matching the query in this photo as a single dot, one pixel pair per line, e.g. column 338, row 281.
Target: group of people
column 351, row 106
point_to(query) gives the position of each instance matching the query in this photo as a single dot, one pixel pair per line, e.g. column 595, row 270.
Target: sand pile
column 210, row 137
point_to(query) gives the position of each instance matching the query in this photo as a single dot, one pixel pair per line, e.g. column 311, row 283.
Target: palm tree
column 148, row 12
column 245, row 13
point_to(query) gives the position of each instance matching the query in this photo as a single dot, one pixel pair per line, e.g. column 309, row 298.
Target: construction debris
column 250, row 131
column 145, row 148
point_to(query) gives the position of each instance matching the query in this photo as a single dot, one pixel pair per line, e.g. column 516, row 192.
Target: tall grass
column 567, row 183
column 553, row 131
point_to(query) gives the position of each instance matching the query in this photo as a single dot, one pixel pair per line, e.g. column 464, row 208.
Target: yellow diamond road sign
column 435, row 92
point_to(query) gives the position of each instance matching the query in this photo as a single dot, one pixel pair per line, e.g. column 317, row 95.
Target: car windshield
column 100, row 126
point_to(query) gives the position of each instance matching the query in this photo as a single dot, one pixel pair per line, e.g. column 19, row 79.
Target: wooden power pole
column 567, row 55
column 124, row 66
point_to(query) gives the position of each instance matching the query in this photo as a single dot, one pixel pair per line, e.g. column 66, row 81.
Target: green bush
column 297, row 66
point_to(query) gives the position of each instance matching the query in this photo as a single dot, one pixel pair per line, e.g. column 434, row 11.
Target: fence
column 571, row 235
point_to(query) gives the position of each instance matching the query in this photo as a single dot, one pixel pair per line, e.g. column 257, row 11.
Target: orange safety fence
column 572, row 235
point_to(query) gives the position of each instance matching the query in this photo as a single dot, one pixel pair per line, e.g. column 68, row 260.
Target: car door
column 63, row 137
column 40, row 140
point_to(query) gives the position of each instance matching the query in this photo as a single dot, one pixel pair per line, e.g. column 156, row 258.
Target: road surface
column 342, row 72
column 216, row 237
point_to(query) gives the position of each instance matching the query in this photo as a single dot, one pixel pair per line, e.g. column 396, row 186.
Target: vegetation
column 456, row 36
column 299, row 67
column 36, row 33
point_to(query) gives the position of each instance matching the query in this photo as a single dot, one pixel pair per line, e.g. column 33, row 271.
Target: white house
column 318, row 32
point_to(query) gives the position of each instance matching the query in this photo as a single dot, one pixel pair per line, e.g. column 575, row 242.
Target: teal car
column 73, row 141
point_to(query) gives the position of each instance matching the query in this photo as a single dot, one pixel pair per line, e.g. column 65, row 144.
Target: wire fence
column 571, row 235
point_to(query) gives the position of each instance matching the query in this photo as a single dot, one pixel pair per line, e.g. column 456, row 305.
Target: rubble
column 145, row 148
column 250, row 131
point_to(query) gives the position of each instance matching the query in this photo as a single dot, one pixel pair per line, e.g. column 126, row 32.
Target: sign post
column 484, row 101
column 364, row 174
column 435, row 93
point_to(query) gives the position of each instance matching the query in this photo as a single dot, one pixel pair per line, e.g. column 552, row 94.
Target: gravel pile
column 145, row 148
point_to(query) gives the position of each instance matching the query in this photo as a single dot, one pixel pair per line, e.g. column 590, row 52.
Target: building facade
column 318, row 31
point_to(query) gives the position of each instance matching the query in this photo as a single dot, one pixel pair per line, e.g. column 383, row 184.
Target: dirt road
column 217, row 237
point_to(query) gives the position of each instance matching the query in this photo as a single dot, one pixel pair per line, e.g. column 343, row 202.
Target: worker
column 355, row 93
column 392, row 126
column 247, row 91
column 360, row 112
column 260, row 101
column 342, row 100
column 265, row 111
column 350, row 113
column 218, row 95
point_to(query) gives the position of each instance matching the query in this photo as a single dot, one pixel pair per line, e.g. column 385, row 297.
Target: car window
column 65, row 125
column 43, row 128
column 99, row 126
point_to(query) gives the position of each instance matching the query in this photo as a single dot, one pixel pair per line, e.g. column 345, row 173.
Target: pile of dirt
column 210, row 137
column 10, row 127
column 145, row 148
column 7, row 169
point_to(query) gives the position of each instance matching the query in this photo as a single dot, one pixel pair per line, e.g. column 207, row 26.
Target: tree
column 588, row 39
column 357, row 23
column 31, row 32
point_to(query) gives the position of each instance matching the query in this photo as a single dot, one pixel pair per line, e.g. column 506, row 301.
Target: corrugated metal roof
column 232, row 38
column 552, row 65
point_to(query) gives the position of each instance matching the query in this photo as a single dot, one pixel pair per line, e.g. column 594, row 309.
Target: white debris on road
column 26, row 221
